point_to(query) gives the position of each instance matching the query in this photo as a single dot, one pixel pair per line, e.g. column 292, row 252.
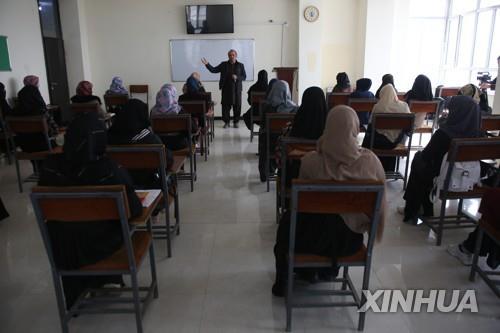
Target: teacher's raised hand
column 204, row 61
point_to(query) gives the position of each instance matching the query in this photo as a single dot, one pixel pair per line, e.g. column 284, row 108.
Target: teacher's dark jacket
column 231, row 90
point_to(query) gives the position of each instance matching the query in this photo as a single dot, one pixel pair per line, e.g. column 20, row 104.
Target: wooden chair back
column 139, row 89
column 114, row 102
column 393, row 121
column 194, row 107
column 448, row 91
column 334, row 99
column 77, row 108
column 490, row 123
column 256, row 97
column 424, row 106
column 463, row 150
column 146, row 156
column 28, row 125
column 169, row 124
column 277, row 121
column 81, row 203
column 362, row 104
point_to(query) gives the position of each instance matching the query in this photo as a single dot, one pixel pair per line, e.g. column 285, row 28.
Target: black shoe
column 235, row 125
column 226, row 125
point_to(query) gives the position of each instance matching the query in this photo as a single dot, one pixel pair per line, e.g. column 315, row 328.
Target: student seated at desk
column 343, row 84
column 387, row 139
column 279, row 100
column 330, row 235
column 84, row 162
column 386, row 79
column 131, row 126
column 463, row 121
column 31, row 103
column 363, row 91
column 260, row 86
column 193, row 90
column 84, row 96
column 309, row 123
column 116, row 87
column 166, row 104
column 420, row 91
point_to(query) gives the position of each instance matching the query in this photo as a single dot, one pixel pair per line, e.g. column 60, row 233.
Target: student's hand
column 204, row 61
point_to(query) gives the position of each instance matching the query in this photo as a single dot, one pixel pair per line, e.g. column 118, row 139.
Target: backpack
column 464, row 176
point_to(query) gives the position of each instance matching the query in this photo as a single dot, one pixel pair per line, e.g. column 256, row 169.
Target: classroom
column 249, row 166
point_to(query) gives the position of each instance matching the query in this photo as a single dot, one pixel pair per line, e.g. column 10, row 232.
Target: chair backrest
column 362, row 104
column 140, row 157
column 290, row 144
column 28, row 125
column 331, row 197
column 80, row 203
column 448, row 91
column 490, row 123
column 424, row 106
column 114, row 101
column 463, row 150
column 334, row 99
column 194, row 107
column 256, row 97
column 174, row 123
column 77, row 108
column 275, row 122
column 393, row 121
column 138, row 89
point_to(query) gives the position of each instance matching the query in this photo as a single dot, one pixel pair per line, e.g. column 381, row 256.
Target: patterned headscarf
column 31, row 80
column 166, row 100
column 84, row 88
column 117, row 87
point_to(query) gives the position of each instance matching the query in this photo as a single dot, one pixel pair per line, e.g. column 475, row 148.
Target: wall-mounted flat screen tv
column 209, row 19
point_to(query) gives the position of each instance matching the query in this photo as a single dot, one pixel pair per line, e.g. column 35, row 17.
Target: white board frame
column 181, row 75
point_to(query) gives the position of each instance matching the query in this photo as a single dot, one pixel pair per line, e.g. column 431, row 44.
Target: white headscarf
column 338, row 157
column 389, row 103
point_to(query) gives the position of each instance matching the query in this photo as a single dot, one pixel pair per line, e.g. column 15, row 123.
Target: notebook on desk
column 147, row 197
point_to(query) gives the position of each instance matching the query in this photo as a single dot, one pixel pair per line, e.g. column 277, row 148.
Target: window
column 454, row 40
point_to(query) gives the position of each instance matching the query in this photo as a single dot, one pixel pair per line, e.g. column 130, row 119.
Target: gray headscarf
column 280, row 98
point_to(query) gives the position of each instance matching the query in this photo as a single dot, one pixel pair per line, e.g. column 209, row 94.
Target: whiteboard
column 186, row 54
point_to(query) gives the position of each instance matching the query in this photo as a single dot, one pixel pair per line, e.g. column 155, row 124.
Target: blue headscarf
column 117, row 87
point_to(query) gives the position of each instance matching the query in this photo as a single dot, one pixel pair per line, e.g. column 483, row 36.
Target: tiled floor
column 219, row 278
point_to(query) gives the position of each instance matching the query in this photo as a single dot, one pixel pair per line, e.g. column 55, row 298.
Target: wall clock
column 311, row 13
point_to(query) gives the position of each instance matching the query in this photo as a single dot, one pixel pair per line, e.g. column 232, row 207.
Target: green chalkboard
column 4, row 55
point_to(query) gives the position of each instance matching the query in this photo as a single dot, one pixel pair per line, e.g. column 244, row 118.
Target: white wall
column 19, row 21
column 131, row 38
column 334, row 43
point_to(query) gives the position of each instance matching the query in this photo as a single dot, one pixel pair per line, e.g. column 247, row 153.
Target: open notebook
column 147, row 197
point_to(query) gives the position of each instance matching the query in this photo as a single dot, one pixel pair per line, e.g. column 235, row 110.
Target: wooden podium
column 286, row 74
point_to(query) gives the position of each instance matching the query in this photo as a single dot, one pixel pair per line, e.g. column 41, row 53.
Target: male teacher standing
column 232, row 74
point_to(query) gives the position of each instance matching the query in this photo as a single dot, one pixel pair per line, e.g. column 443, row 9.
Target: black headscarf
column 310, row 119
column 386, row 79
column 85, row 142
column 464, row 118
column 4, row 106
column 342, row 82
column 130, row 121
column 421, row 89
column 270, row 85
column 30, row 100
column 363, row 85
column 260, row 86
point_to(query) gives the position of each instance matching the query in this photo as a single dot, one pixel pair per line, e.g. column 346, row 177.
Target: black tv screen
column 209, row 19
